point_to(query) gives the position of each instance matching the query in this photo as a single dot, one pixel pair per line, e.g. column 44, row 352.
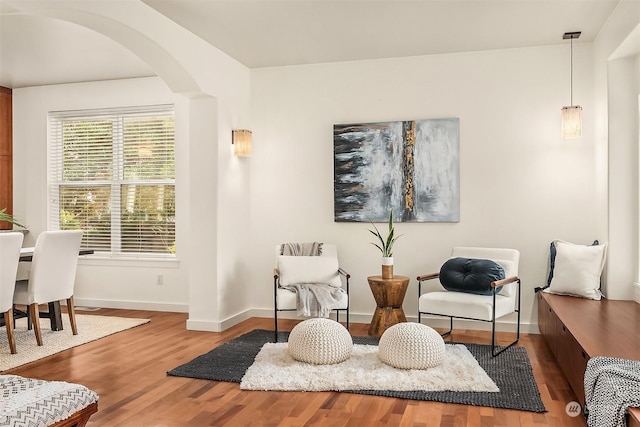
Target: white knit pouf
column 320, row 341
column 411, row 345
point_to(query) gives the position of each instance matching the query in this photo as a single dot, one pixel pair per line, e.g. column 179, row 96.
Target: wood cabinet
column 6, row 154
column 547, row 324
column 567, row 351
column 577, row 329
column 572, row 359
column 634, row 417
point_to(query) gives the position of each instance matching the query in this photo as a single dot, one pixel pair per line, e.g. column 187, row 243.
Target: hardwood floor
column 128, row 371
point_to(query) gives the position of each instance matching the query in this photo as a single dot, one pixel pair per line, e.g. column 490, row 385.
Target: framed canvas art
column 411, row 167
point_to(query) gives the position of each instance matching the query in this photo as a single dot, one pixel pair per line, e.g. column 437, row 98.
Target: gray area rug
column 511, row 371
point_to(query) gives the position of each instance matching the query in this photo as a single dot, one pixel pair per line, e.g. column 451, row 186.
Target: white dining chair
column 52, row 275
column 10, row 244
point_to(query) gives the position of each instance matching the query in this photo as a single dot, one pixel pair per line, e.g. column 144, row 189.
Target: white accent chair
column 52, row 276
column 286, row 300
column 485, row 308
column 10, row 244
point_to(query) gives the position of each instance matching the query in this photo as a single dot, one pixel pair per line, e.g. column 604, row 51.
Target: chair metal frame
column 276, row 276
column 494, row 285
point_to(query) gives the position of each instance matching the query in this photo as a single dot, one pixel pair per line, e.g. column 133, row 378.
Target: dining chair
column 52, row 275
column 10, row 244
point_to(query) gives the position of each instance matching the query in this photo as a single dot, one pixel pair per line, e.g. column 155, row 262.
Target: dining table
column 55, row 312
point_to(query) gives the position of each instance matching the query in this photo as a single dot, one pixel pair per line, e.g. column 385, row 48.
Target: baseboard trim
column 436, row 322
column 132, row 305
column 219, row 326
column 203, row 325
column 214, row 326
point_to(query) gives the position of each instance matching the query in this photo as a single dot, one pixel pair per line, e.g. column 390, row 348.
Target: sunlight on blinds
column 112, row 174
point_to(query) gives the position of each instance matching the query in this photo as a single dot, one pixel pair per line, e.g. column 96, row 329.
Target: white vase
column 387, row 267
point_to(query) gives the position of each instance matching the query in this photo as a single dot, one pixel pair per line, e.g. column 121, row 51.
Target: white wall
column 616, row 87
column 101, row 282
column 212, row 206
column 521, row 185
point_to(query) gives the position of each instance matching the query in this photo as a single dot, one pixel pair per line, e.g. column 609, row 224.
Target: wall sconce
column 571, row 115
column 241, row 140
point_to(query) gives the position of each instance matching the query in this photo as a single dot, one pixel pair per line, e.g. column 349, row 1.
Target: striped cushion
column 32, row 402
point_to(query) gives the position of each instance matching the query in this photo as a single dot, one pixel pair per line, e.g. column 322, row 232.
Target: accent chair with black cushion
column 321, row 268
column 478, row 284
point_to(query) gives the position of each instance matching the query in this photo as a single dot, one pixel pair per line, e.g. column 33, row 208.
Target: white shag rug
column 90, row 328
column 274, row 369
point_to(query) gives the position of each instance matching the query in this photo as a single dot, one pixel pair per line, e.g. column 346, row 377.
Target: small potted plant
column 4, row 216
column 386, row 247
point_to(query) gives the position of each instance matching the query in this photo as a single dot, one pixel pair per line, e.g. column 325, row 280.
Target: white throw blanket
column 611, row 385
column 313, row 299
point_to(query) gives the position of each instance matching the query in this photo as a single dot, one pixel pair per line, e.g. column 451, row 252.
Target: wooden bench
column 28, row 401
column 577, row 329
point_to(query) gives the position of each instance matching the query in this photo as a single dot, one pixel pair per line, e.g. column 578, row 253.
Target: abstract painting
column 410, row 167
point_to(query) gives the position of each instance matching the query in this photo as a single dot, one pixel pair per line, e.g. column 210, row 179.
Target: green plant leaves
column 9, row 218
column 386, row 245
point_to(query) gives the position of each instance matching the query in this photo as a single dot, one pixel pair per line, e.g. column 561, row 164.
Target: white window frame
column 55, row 171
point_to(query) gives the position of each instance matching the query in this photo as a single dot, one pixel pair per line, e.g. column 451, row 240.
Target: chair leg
column 29, row 319
column 8, row 321
column 493, row 328
column 33, row 311
column 72, row 315
column 493, row 338
column 347, row 318
column 275, row 325
column 450, row 328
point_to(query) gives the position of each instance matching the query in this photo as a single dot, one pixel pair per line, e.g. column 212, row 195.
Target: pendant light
column 571, row 115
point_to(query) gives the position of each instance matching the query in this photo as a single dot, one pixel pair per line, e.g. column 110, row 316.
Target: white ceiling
column 265, row 33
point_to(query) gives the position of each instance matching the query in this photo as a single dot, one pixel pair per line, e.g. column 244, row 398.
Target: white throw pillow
column 577, row 270
column 308, row 269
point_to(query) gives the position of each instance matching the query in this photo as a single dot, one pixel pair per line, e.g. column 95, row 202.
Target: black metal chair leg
column 275, row 326
column 450, row 328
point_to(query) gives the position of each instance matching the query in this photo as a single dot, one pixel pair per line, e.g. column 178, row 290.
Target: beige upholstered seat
column 485, row 308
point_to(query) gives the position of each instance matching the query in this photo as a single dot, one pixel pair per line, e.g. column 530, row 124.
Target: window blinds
column 112, row 174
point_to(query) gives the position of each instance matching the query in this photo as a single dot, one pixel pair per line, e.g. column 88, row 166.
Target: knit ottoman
column 411, row 345
column 32, row 402
column 320, row 341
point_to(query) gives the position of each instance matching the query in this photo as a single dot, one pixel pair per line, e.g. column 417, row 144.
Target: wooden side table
column 389, row 295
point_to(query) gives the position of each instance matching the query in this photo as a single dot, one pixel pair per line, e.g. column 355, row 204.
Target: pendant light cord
column 571, row 72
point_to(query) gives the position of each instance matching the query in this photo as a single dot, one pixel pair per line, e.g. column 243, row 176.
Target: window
column 112, row 174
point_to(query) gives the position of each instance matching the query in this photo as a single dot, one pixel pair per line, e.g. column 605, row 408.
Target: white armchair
column 308, row 269
column 486, row 308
